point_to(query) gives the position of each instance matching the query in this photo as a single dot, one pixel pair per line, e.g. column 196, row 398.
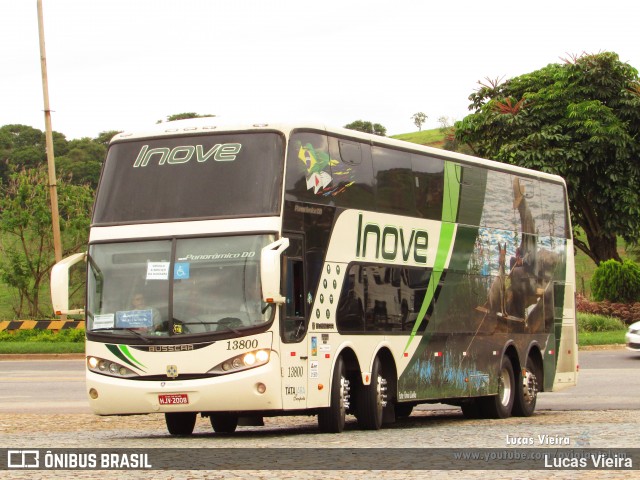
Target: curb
column 11, row 325
column 613, row 346
column 41, row 356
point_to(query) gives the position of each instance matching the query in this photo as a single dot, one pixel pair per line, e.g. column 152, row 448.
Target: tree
column 26, row 243
column 581, row 120
column 367, row 127
column 105, row 137
column 83, row 162
column 185, row 116
column 418, row 119
column 21, row 146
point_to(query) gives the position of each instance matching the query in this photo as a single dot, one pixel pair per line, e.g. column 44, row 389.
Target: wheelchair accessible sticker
column 181, row 271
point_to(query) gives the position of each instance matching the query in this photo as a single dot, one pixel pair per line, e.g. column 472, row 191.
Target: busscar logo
column 23, row 459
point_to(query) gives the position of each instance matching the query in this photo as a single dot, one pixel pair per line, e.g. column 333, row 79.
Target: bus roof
column 205, row 125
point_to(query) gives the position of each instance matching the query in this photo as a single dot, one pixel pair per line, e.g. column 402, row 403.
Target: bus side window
column 394, row 182
column 428, row 174
column 352, row 176
column 308, row 163
column 350, row 312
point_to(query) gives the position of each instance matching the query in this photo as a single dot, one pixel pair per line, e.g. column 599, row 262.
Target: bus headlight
column 242, row 362
column 110, row 368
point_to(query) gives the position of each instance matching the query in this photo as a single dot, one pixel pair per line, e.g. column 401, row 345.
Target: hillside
column 431, row 138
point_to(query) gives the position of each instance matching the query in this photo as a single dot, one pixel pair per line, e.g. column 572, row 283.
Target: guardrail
column 57, row 325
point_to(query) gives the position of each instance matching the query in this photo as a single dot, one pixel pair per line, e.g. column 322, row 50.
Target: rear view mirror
column 60, row 284
column 270, row 270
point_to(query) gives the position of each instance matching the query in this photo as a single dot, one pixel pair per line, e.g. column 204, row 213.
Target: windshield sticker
column 134, row 318
column 181, row 271
column 219, row 256
column 158, row 271
column 106, row 320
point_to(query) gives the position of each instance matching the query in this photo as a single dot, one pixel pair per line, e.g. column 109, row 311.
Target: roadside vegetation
column 593, row 329
column 596, row 329
column 42, row 341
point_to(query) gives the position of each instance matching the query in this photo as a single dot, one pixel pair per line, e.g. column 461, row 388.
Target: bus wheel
column 527, row 390
column 373, row 399
column 224, row 423
column 180, row 423
column 500, row 405
column 332, row 418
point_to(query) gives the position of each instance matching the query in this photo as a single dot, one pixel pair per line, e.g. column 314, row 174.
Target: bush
column 616, row 282
column 588, row 322
column 627, row 312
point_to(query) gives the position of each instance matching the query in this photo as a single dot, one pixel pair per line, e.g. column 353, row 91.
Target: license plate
column 174, row 399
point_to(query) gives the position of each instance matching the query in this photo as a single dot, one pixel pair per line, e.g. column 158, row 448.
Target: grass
column 600, row 338
column 15, row 348
column 600, row 330
column 432, row 138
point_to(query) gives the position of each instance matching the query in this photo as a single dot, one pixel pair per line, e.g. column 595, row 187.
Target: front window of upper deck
column 178, row 178
column 179, row 287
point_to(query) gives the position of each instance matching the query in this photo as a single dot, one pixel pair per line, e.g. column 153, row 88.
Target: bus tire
column 224, row 423
column 332, row 418
column 373, row 399
column 501, row 405
column 180, row 423
column 527, row 390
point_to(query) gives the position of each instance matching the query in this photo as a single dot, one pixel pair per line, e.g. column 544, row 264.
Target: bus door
column 294, row 350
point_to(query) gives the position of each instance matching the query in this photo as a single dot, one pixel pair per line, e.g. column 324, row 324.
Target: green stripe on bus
column 115, row 349
column 126, row 351
column 447, row 232
column 451, row 197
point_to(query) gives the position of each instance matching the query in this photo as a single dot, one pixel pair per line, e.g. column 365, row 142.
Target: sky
column 125, row 64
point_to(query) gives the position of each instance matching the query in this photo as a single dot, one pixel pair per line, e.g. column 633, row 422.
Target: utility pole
column 53, row 190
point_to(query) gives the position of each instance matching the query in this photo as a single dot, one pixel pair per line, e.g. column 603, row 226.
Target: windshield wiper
column 130, row 330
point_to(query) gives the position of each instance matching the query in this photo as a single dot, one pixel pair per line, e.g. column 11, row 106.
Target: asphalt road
column 43, row 405
column 608, row 380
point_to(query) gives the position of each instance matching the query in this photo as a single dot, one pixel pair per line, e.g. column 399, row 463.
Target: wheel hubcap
column 504, row 387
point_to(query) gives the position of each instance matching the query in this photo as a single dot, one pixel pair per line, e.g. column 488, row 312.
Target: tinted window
column 473, row 186
column 428, row 176
column 308, row 169
column 191, row 177
column 352, row 174
column 554, row 216
column 394, row 181
column 379, row 298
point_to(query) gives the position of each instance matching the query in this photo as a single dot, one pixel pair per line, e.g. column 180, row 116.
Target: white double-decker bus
column 242, row 271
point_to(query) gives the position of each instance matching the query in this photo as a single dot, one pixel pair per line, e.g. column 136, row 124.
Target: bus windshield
column 206, row 286
column 181, row 178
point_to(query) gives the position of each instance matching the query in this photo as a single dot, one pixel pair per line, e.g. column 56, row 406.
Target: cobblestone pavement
column 425, row 428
